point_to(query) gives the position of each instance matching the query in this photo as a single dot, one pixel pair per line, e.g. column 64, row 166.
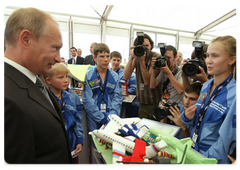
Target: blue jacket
column 92, row 97
column 72, row 119
column 78, row 105
column 217, row 129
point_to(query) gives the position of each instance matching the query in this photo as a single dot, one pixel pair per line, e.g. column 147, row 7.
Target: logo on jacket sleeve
column 91, row 83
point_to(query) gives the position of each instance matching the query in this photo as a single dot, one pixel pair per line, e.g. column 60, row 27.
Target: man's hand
column 176, row 116
column 153, row 61
column 78, row 149
column 166, row 69
column 133, row 56
column 190, row 112
column 182, row 64
column 201, row 76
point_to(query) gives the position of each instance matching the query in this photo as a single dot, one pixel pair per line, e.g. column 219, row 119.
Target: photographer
column 202, row 76
column 173, row 111
column 170, row 77
column 190, row 97
column 148, row 98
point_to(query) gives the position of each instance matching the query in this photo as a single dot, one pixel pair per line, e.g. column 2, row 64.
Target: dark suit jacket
column 79, row 60
column 88, row 59
column 34, row 132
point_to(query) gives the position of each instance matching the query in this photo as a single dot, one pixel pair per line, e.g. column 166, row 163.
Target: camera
column 160, row 61
column 191, row 67
column 140, row 49
column 163, row 111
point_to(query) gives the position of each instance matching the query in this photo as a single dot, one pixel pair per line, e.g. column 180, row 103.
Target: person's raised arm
column 153, row 80
column 130, row 65
column 185, row 79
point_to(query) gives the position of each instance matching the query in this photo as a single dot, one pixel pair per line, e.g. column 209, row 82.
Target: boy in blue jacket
column 102, row 93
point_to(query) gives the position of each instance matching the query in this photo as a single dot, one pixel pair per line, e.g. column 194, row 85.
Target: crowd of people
column 43, row 116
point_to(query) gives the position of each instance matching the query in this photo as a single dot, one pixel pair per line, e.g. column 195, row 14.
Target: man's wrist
column 183, row 128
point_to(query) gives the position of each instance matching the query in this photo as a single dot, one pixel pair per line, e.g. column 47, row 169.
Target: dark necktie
column 41, row 86
column 74, row 61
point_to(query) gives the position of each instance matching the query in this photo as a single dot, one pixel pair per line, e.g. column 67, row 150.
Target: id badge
column 194, row 139
column 103, row 107
column 141, row 86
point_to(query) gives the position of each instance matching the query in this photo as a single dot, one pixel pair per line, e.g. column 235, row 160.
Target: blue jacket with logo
column 218, row 127
column 73, row 119
column 92, row 97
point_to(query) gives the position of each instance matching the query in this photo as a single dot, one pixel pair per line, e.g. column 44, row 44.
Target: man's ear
column 175, row 57
column 25, row 37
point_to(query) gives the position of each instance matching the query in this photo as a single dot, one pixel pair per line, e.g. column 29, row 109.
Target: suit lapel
column 33, row 91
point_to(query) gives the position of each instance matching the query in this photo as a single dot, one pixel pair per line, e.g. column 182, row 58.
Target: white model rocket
column 121, row 144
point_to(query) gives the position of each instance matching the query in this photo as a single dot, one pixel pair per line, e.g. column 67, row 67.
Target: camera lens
column 190, row 69
column 159, row 63
column 139, row 51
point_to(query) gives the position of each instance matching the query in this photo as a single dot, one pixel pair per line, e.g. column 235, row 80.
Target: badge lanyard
column 103, row 105
column 203, row 108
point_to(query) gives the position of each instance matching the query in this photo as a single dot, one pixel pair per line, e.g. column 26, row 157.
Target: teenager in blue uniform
column 58, row 80
column 131, row 108
column 191, row 95
column 102, row 94
column 216, row 102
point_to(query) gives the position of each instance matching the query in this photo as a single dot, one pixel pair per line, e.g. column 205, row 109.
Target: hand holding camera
column 161, row 61
column 164, row 110
column 190, row 112
column 176, row 116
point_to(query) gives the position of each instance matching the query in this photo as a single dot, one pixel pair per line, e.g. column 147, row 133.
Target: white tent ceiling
column 178, row 15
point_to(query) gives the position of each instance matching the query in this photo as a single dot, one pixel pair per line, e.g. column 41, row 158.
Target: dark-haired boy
column 102, row 93
column 131, row 108
column 190, row 97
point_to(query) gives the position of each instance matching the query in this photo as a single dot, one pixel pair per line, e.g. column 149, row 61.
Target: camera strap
column 148, row 62
column 204, row 107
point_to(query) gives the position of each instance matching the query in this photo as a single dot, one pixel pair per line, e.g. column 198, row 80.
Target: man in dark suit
column 75, row 59
column 89, row 59
column 34, row 128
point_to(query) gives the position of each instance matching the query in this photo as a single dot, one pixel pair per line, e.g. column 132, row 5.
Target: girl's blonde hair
column 229, row 43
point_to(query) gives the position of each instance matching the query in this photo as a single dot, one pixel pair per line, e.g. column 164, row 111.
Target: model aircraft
column 125, row 127
column 191, row 155
column 121, row 144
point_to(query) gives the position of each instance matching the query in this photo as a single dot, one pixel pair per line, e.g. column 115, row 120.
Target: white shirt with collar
column 75, row 58
column 22, row 69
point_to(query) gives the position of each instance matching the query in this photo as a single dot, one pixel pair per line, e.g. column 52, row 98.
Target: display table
column 105, row 155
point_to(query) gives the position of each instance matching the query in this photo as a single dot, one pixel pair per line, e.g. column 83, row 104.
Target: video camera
column 163, row 111
column 191, row 67
column 140, row 49
column 160, row 61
